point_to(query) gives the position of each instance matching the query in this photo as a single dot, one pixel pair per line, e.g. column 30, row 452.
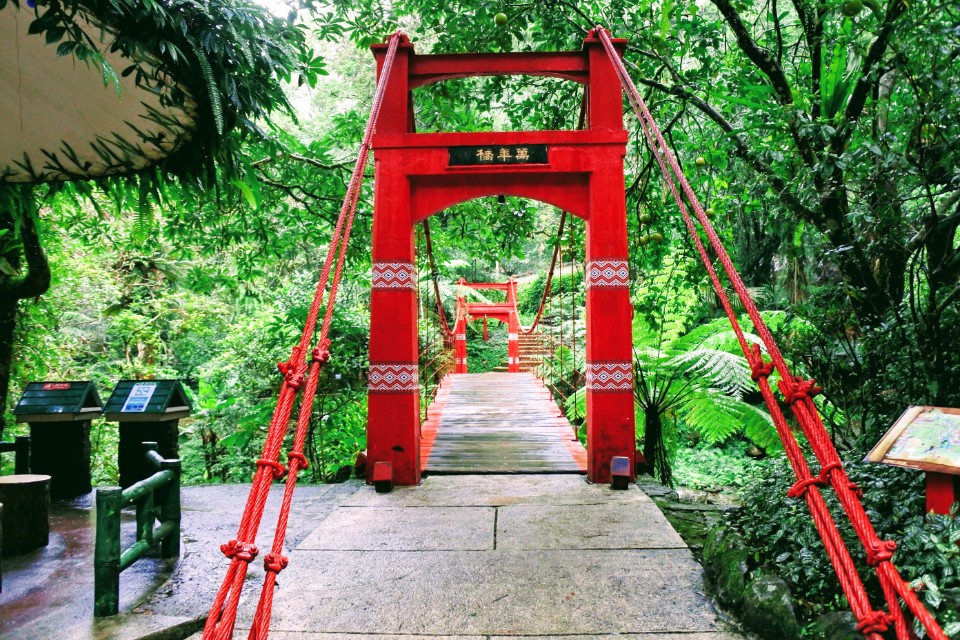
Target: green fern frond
column 213, row 91
column 720, row 369
column 143, row 223
column 758, row 426
column 713, row 415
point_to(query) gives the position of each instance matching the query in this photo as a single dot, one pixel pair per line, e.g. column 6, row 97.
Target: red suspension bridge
column 580, row 172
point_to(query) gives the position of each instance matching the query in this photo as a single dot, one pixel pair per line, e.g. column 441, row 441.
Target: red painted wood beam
column 427, row 69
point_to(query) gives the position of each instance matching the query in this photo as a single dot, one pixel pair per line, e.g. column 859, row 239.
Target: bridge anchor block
column 383, row 476
column 620, row 472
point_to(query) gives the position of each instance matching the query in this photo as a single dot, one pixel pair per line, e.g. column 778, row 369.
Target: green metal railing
column 21, row 451
column 157, row 498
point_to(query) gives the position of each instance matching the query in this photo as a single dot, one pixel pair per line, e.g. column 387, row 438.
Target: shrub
column 781, row 537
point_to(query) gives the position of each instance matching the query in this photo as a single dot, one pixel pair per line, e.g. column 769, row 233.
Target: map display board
column 926, row 438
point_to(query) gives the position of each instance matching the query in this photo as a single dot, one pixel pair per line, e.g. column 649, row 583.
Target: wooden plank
column 498, row 423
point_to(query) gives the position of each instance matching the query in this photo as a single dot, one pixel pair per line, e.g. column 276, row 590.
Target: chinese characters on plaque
column 499, row 154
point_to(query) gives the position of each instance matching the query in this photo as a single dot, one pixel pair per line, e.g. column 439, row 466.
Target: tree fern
column 720, row 369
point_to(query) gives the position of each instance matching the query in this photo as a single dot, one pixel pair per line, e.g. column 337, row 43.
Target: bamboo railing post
column 170, row 510
column 106, row 553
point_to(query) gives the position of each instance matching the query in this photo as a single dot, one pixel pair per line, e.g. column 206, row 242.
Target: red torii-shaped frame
column 414, row 179
column 505, row 312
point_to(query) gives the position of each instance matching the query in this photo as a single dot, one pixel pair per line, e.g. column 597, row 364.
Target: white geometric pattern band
column 393, row 377
column 608, row 274
column 460, row 336
column 512, row 337
column 393, row 275
column 610, row 377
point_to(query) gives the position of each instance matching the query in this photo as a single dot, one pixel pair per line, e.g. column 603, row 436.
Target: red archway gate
column 419, row 174
column 504, row 312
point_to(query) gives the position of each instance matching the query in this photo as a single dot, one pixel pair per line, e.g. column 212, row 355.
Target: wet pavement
column 459, row 557
column 48, row 593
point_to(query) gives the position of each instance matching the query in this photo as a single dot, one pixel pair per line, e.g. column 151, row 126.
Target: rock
column 653, row 488
column 836, row 625
column 768, row 608
column 725, row 562
column 694, row 496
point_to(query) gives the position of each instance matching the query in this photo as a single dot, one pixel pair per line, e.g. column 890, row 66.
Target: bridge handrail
column 440, row 354
column 109, row 559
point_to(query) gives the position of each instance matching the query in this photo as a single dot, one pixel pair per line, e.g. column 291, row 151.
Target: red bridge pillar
column 513, row 344
column 460, row 339
column 610, row 415
column 393, row 397
column 513, row 329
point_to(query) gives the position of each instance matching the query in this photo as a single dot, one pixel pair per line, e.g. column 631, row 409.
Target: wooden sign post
column 926, row 438
column 148, row 411
column 59, row 414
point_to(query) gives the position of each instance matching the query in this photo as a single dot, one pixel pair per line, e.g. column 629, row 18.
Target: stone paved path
column 545, row 557
column 495, row 557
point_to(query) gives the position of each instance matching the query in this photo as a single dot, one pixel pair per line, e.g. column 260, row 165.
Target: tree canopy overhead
column 211, row 74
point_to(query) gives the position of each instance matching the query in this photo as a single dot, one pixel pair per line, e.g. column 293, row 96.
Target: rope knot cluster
column 321, row 352
column 874, row 622
column 759, row 368
column 275, row 562
column 292, row 374
column 245, row 551
column 799, row 389
column 302, row 462
column 277, row 469
column 801, row 487
column 880, row 551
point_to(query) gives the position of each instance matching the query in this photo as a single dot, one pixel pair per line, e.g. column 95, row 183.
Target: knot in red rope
column 874, row 622
column 759, row 368
column 800, row 487
column 799, row 389
column 321, row 352
column 880, row 551
column 292, row 374
column 823, row 479
column 245, row 551
column 302, row 462
column 278, row 469
column 855, row 488
column 275, row 562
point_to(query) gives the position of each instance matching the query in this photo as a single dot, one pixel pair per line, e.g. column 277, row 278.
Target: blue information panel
column 139, row 397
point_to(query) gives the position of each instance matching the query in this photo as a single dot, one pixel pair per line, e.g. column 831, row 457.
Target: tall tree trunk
column 654, row 450
column 18, row 213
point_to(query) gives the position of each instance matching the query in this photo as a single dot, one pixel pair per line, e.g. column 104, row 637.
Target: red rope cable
column 242, row 550
column 548, row 283
column 798, row 394
column 436, row 284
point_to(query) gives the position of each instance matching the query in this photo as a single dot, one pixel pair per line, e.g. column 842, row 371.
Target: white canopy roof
column 57, row 119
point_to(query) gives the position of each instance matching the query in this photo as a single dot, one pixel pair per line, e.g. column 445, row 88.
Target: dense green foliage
column 782, row 538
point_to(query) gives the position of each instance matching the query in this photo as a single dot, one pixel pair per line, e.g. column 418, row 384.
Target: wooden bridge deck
column 498, row 423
